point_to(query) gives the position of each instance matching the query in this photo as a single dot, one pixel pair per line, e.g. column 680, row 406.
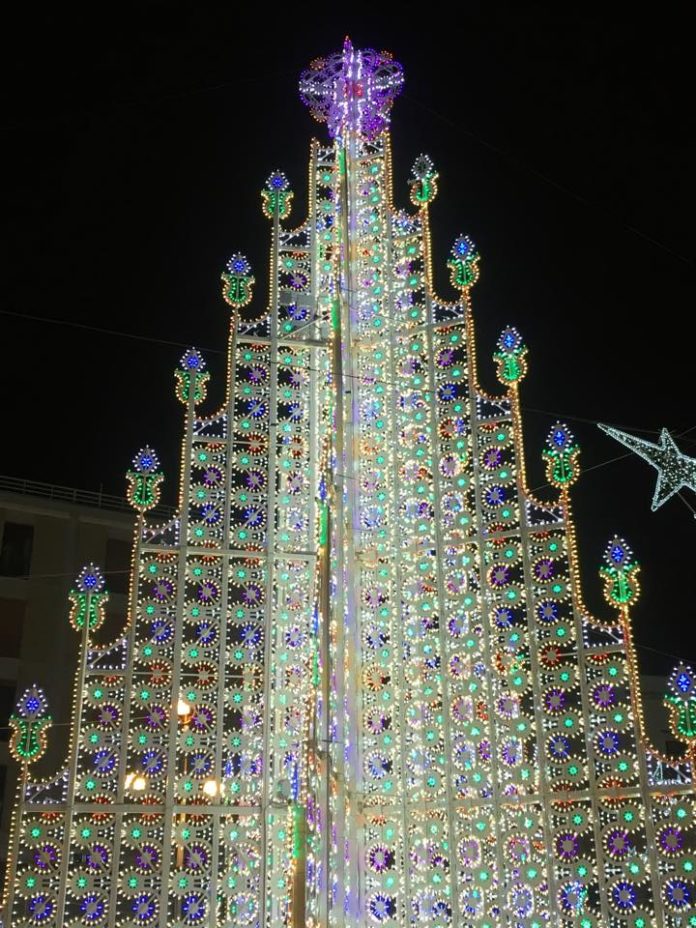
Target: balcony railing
column 98, row 499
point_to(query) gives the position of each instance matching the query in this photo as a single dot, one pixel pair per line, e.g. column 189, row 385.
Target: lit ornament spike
column 681, row 702
column 88, row 599
column 674, row 469
column 191, row 373
column 144, row 480
column 423, row 181
column 561, row 457
column 464, row 264
column 238, row 282
column 511, row 356
column 620, row 574
column 276, row 196
column 352, row 91
column 29, row 722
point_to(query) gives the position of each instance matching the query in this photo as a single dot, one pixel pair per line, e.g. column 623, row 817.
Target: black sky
column 135, row 145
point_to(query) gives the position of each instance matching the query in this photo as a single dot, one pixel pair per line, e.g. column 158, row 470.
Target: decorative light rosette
column 681, row 702
column 511, row 356
column 238, row 282
column 88, row 599
column 464, row 264
column 191, row 374
column 144, row 480
column 423, row 181
column 276, row 196
column 352, row 90
column 561, row 456
column 29, row 723
column 620, row 575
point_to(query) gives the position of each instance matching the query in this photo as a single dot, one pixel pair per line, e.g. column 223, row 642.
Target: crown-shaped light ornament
column 191, row 375
column 238, row 282
column 28, row 724
column 276, row 196
column 352, row 91
column 88, row 599
column 144, row 480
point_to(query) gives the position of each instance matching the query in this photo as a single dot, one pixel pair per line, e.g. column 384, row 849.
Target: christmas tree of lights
column 358, row 683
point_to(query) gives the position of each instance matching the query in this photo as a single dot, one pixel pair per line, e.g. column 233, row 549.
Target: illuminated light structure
column 359, row 685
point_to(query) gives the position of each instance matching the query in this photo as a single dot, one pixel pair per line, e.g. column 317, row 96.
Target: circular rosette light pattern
column 464, row 264
column 510, row 356
column 352, row 90
column 276, row 196
column 620, row 574
column 144, row 480
column 561, row 457
column 29, row 723
column 88, row 599
column 423, row 181
column 681, row 703
column 191, row 375
column 237, row 282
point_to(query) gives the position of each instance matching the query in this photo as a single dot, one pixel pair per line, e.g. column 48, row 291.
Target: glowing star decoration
column 238, row 282
column 29, row 722
column 464, row 264
column 423, row 181
column 620, row 574
column 681, row 702
column 674, row 469
column 88, row 599
column 191, row 373
column 144, row 480
column 352, row 91
column 276, row 196
column 561, row 457
column 511, row 356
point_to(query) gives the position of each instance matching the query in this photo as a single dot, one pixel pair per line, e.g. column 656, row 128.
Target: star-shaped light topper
column 674, row 469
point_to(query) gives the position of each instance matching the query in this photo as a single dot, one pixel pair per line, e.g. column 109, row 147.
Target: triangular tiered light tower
column 359, row 685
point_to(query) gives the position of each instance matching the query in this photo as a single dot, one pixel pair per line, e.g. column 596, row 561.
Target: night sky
column 135, row 145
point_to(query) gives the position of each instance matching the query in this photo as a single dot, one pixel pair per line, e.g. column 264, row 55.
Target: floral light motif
column 88, row 599
column 681, row 702
column 191, row 374
column 561, row 456
column 423, row 181
column 464, row 264
column 238, row 282
column 276, row 196
column 29, row 723
column 620, row 574
column 510, row 356
column 144, row 480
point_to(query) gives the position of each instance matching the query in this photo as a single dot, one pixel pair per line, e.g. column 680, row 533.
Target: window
column 7, row 700
column 117, row 567
column 15, row 554
column 11, row 626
